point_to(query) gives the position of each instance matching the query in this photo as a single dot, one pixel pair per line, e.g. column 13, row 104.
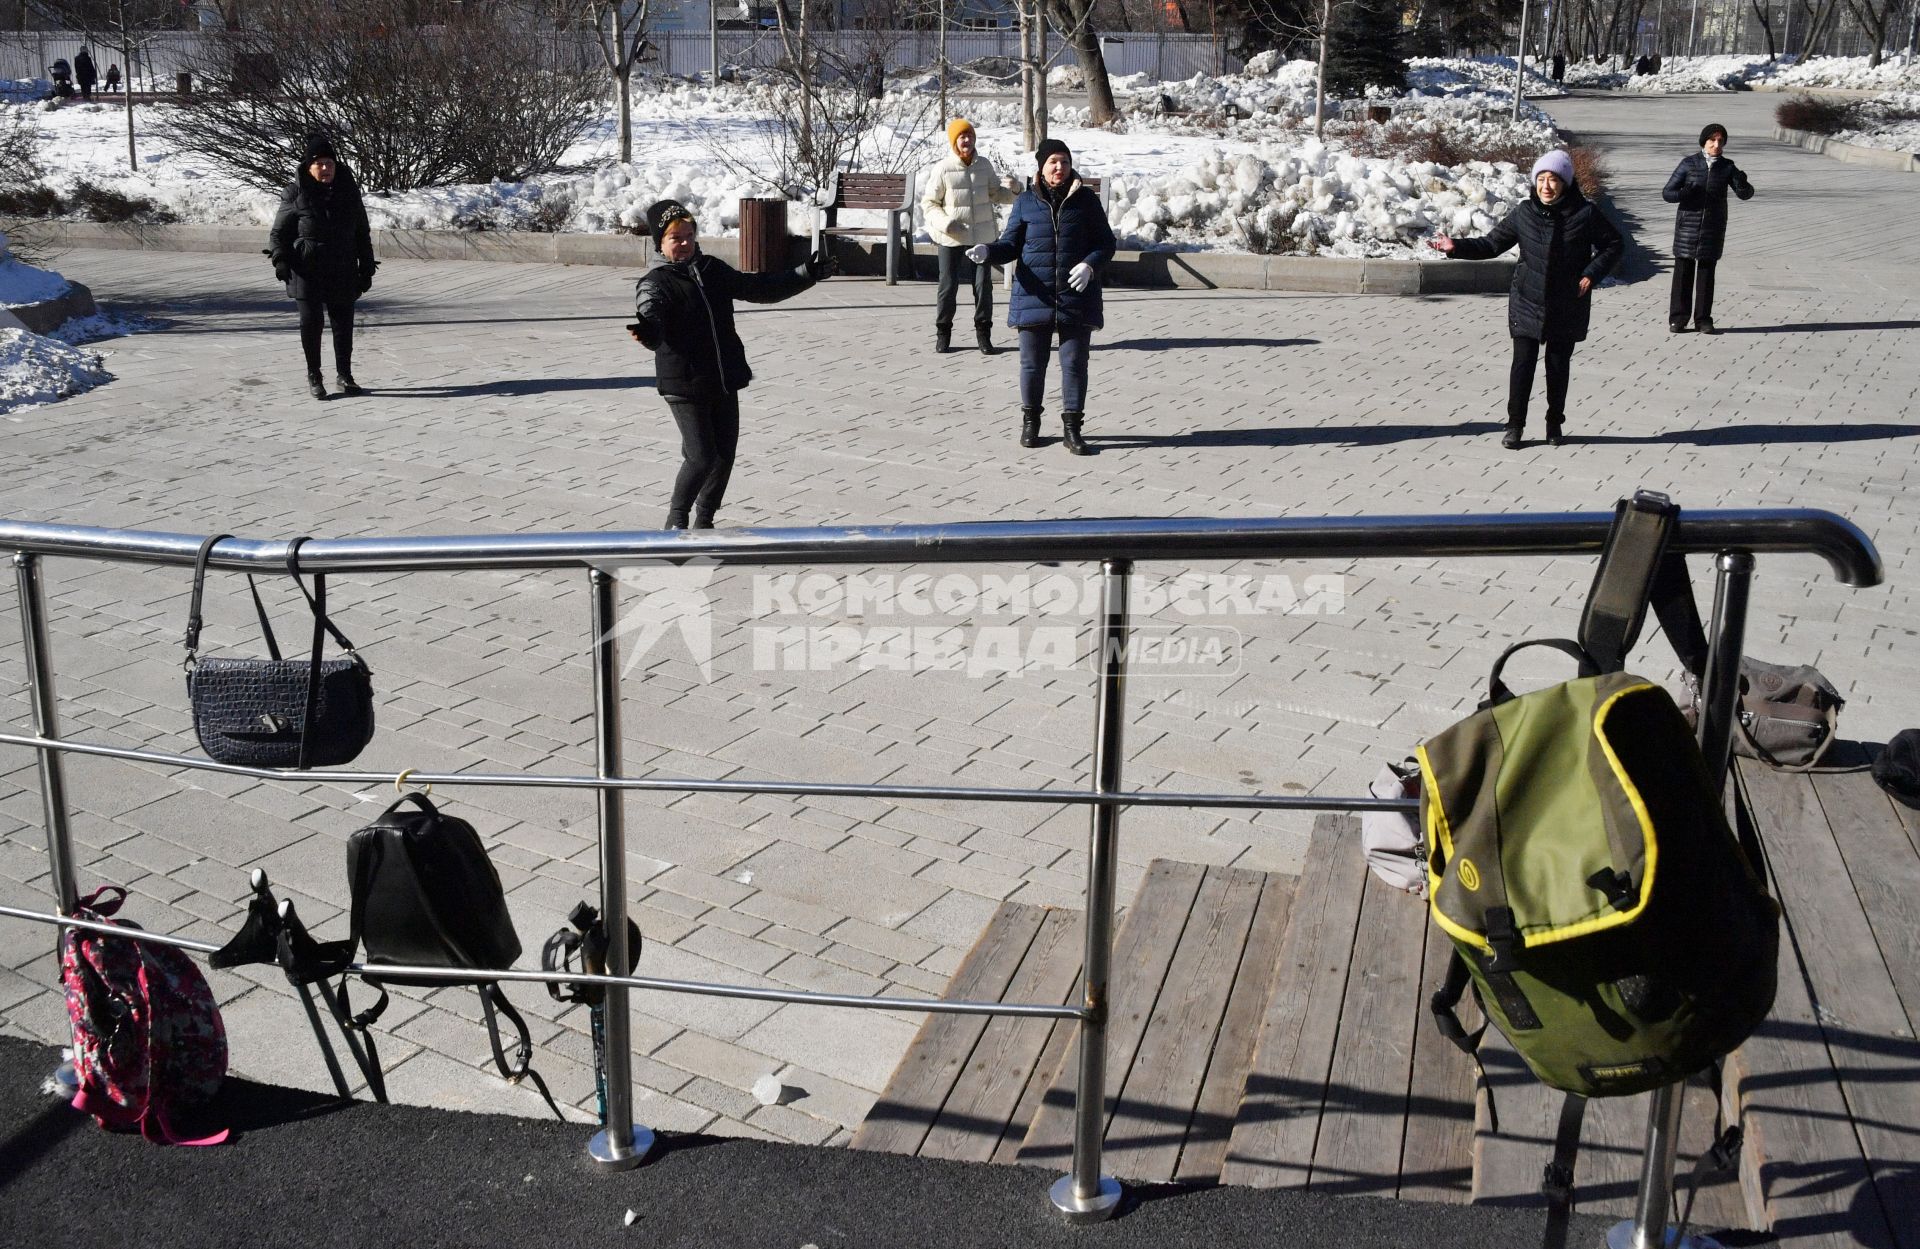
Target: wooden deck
column 1273, row 1032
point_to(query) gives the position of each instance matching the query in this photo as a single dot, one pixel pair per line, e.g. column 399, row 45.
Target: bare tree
column 1874, row 17
column 471, row 99
column 620, row 30
column 1074, row 20
column 130, row 23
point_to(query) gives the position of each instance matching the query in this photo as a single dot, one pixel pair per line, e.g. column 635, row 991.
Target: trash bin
column 183, row 83
column 763, row 234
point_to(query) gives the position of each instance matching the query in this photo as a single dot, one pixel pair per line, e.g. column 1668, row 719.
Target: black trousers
column 1526, row 354
column 709, row 436
column 312, row 314
column 954, row 263
column 1692, row 291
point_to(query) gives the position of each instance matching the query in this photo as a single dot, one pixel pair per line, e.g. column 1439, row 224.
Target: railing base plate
column 1620, row 1236
column 607, row 1154
column 1096, row 1209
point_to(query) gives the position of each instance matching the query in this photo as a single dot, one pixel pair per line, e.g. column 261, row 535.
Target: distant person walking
column 957, row 203
column 683, row 312
column 1559, row 66
column 322, row 249
column 1699, row 186
column 84, row 73
column 1566, row 247
column 1059, row 242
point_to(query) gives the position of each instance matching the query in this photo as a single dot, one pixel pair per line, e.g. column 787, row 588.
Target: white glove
column 977, row 253
column 1081, row 276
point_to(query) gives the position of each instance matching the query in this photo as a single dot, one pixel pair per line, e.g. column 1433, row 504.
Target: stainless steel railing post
column 619, row 1144
column 1719, row 703
column 1085, row 1195
column 53, row 776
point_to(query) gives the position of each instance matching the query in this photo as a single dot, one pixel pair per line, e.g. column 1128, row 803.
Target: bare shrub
column 551, row 213
column 1817, row 115
column 1590, row 171
column 22, row 197
column 475, row 99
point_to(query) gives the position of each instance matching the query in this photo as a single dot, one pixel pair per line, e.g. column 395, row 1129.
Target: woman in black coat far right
column 322, row 249
column 1699, row 185
column 1567, row 246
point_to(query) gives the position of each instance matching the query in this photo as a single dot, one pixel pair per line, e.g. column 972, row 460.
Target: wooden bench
column 891, row 193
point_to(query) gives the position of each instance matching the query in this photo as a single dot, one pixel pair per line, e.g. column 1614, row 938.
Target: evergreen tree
column 1364, row 48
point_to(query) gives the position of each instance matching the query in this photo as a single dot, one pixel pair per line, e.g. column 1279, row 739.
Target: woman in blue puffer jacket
column 1059, row 240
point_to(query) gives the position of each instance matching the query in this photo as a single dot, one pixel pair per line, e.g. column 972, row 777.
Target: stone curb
column 1849, row 153
column 50, row 314
column 1175, row 270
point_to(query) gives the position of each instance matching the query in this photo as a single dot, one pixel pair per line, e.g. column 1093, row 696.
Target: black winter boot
column 984, row 337
column 703, row 520
column 347, row 385
column 1029, row 427
column 1554, row 426
column 316, row 387
column 1511, row 439
column 942, row 340
column 1070, row 421
column 676, row 519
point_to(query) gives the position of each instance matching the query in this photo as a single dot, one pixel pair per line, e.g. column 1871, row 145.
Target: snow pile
column 1314, row 199
column 1851, row 73
column 1459, row 76
column 24, row 284
column 1891, row 121
column 36, row 369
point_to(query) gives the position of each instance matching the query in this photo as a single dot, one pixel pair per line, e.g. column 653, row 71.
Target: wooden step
column 1350, row 1090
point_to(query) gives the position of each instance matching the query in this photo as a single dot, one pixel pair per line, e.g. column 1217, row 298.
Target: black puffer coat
column 1559, row 245
column 321, row 240
column 1700, row 228
column 685, row 313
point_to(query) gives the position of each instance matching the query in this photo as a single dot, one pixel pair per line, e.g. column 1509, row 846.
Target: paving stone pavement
column 509, row 399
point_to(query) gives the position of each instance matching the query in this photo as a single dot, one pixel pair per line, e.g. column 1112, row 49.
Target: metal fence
column 1084, row 1194
column 27, row 54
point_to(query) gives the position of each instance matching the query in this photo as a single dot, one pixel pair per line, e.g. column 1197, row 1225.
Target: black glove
column 820, row 266
column 366, row 283
column 281, row 273
column 306, row 248
column 644, row 334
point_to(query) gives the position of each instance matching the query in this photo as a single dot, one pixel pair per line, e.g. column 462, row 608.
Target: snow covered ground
column 1227, row 162
column 40, row 368
column 1741, row 72
column 1890, row 121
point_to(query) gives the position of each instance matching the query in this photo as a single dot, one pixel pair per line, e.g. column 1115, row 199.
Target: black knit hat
column 663, row 213
column 1049, row 147
column 1710, row 131
column 1897, row 770
column 315, row 146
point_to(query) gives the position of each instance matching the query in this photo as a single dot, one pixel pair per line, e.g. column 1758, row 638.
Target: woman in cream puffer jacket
column 957, row 199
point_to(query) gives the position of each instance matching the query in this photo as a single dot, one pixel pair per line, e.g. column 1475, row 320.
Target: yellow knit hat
column 955, row 128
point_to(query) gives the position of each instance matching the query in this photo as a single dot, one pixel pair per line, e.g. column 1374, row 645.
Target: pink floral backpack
column 147, row 1040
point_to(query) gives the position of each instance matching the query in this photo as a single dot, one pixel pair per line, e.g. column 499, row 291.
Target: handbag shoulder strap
column 317, row 598
column 199, row 588
column 1627, row 578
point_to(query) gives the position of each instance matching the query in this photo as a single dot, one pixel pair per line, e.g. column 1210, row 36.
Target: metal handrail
column 1084, row 1194
column 1849, row 553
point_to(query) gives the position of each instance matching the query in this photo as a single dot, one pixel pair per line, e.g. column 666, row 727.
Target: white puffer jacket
column 957, row 200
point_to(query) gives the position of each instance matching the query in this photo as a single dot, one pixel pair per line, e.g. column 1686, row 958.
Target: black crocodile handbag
column 279, row 713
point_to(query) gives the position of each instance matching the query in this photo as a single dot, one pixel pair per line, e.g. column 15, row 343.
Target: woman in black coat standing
column 1699, row 185
column 322, row 249
column 1566, row 247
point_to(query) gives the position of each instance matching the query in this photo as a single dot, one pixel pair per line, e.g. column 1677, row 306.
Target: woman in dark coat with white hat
column 1699, row 185
column 1058, row 240
column 1567, row 246
column 322, row 248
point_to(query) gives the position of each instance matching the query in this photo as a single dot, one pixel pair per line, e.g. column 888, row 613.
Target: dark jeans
column 954, row 264
column 1526, row 354
column 1692, row 291
column 709, row 435
column 341, row 315
column 1036, row 344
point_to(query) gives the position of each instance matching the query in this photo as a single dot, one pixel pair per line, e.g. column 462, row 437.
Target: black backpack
column 425, row 894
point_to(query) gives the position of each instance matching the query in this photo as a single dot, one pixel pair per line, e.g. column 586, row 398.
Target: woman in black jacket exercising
column 1699, row 185
column 683, row 310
